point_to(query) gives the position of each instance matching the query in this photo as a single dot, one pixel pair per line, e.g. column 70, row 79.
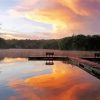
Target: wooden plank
column 48, row 58
column 88, row 66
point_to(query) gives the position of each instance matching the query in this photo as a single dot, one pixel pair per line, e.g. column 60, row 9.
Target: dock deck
column 89, row 66
column 48, row 58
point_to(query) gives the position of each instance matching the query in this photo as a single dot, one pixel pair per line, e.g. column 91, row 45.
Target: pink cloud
column 74, row 16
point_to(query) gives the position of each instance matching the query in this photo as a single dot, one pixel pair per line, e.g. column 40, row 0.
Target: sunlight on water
column 21, row 79
column 12, row 60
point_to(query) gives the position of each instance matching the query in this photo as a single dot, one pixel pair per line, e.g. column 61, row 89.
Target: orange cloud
column 53, row 13
column 66, row 16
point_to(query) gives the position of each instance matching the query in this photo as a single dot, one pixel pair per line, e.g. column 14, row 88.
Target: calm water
column 21, row 79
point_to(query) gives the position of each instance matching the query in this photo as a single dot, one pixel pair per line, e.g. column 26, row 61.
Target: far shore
column 24, row 53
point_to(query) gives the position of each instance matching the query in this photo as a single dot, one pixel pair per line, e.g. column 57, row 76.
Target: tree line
column 78, row 42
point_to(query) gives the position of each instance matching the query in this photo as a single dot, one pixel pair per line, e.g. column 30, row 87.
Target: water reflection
column 18, row 69
column 12, row 60
column 0, row 71
column 49, row 62
column 64, row 83
column 1, row 58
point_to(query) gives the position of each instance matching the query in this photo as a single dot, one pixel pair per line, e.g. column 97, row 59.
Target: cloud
column 83, row 8
column 57, row 18
column 66, row 16
column 14, row 26
column 33, row 36
column 87, row 7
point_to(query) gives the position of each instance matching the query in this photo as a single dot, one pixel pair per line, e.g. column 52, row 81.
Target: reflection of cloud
column 35, row 70
column 83, row 91
column 0, row 71
column 62, row 84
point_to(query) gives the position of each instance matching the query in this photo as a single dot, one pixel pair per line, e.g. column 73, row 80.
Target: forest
column 78, row 42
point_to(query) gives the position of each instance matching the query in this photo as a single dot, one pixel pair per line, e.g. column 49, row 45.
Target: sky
column 46, row 19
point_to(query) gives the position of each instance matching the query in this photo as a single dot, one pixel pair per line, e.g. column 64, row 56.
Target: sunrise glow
column 55, row 18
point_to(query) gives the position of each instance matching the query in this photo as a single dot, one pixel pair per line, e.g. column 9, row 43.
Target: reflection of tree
column 0, row 71
column 1, row 58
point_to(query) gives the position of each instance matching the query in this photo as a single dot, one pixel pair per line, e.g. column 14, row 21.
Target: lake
column 21, row 79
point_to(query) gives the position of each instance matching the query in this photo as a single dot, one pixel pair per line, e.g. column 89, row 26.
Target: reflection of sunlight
column 62, row 84
column 12, row 60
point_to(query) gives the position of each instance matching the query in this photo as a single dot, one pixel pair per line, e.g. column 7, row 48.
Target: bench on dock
column 97, row 55
column 49, row 54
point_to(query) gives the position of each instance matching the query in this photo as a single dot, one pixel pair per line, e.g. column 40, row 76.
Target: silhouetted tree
column 78, row 42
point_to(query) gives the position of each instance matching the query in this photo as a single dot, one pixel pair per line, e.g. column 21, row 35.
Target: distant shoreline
column 76, row 43
column 41, row 52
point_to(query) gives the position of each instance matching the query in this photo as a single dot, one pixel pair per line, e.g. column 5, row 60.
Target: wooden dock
column 48, row 58
column 83, row 63
column 93, row 59
column 89, row 66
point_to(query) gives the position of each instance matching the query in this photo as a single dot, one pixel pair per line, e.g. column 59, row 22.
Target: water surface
column 21, row 79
